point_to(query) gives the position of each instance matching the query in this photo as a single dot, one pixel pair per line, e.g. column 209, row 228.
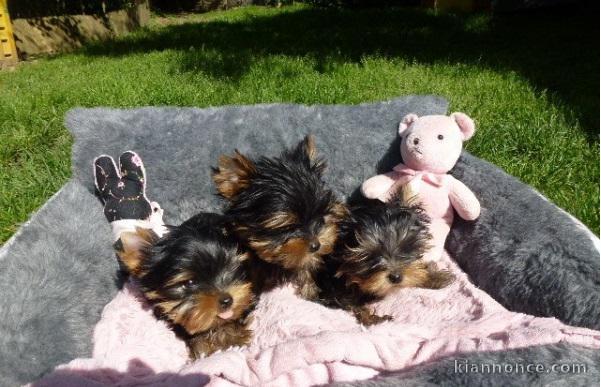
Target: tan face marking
column 416, row 274
column 295, row 252
column 201, row 313
column 279, row 220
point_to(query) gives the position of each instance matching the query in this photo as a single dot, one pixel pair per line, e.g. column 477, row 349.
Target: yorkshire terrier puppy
column 281, row 209
column 380, row 250
column 195, row 278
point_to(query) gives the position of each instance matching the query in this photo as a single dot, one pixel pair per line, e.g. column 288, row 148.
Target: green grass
column 531, row 86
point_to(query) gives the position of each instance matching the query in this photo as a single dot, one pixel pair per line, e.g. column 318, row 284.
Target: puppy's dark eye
column 189, row 284
column 440, row 136
column 379, row 260
column 318, row 224
column 296, row 233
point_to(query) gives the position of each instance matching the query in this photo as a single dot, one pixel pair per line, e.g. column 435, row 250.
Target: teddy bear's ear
column 465, row 123
column 406, row 122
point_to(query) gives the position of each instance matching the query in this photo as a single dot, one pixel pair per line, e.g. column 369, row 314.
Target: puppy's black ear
column 233, row 174
column 306, row 152
column 133, row 248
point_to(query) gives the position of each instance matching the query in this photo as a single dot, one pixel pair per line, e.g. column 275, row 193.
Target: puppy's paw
column 221, row 338
column 437, row 279
column 368, row 317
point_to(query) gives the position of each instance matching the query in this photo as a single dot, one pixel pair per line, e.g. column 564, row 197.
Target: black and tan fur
column 193, row 276
column 281, row 209
column 380, row 249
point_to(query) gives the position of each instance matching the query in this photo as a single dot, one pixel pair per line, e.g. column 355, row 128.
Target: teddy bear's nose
column 416, row 141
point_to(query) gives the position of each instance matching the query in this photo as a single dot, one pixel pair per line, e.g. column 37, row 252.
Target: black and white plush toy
column 123, row 193
column 123, row 190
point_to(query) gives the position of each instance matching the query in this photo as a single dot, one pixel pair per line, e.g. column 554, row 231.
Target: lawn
column 530, row 81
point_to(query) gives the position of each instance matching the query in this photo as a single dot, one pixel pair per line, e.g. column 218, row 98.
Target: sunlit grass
column 536, row 108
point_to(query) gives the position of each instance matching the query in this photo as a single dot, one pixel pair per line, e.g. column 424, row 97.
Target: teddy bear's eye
column 440, row 136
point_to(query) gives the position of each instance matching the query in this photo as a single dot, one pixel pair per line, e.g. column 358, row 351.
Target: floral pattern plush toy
column 430, row 147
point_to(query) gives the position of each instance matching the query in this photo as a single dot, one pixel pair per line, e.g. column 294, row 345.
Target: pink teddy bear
column 430, row 147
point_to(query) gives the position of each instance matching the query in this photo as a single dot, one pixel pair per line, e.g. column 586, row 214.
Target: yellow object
column 8, row 50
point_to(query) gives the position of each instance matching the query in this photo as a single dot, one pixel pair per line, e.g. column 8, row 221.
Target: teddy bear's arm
column 463, row 200
column 377, row 187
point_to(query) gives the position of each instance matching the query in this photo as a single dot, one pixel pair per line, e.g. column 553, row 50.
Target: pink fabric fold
column 299, row 343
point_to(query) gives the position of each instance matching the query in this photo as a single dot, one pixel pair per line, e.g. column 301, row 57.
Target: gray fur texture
column 56, row 275
column 523, row 251
column 59, row 271
column 582, row 369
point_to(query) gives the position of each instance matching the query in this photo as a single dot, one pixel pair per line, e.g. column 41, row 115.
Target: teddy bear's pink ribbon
column 408, row 175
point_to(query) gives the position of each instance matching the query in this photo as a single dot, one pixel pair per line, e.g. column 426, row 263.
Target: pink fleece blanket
column 299, row 343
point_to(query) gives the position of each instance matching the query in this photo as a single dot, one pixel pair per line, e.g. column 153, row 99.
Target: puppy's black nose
column 314, row 246
column 395, row 278
column 225, row 301
column 416, row 141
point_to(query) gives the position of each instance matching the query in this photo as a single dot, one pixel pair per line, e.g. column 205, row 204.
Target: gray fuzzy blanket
column 58, row 272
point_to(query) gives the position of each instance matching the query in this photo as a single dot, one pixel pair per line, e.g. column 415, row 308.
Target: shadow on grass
column 556, row 50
